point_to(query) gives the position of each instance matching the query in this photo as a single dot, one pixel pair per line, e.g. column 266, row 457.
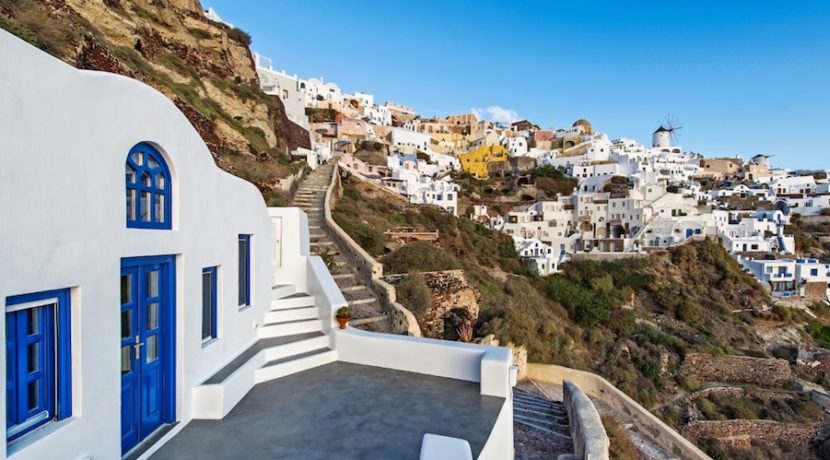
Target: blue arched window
column 148, row 188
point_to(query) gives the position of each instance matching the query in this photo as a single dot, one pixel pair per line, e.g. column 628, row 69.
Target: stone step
column 534, row 399
column 341, row 276
column 543, row 421
column 538, row 406
column 369, row 320
column 540, row 427
column 361, row 301
column 537, row 413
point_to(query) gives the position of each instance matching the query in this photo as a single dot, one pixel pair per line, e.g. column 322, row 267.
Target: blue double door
column 147, row 347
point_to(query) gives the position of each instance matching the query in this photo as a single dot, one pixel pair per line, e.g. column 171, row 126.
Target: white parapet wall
column 600, row 389
column 491, row 367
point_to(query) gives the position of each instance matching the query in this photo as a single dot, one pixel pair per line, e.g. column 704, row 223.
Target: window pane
column 126, row 323
column 153, row 283
column 33, row 395
column 33, row 357
column 145, row 180
column 126, row 359
column 145, row 206
column 207, row 305
column 158, row 201
column 160, row 180
column 243, row 272
column 126, row 289
column 152, row 316
column 152, row 348
column 130, row 204
column 138, row 158
column 151, row 162
column 33, row 323
column 129, row 173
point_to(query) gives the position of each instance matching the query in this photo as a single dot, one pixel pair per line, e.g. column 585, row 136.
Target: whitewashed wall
column 64, row 137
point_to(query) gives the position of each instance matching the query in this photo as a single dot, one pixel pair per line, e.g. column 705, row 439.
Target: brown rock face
column 189, row 5
column 202, row 66
column 452, row 296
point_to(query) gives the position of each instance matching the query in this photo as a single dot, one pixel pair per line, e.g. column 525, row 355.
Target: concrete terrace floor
column 341, row 411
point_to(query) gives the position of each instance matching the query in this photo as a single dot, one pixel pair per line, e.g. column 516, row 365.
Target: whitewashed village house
column 145, row 290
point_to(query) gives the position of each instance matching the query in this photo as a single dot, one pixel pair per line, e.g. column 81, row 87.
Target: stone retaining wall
column 741, row 433
column 368, row 269
column 600, row 256
column 738, row 392
column 737, row 369
column 587, row 432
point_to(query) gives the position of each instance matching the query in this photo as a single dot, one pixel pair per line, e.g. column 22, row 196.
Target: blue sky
column 742, row 77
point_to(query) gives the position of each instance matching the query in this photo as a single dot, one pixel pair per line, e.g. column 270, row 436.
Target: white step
column 289, row 328
column 291, row 314
column 293, row 302
column 216, row 400
column 285, row 290
column 275, row 371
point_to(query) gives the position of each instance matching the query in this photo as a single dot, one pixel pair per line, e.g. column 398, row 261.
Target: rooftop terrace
column 343, row 411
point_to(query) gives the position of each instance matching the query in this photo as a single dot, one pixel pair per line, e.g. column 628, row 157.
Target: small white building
column 289, row 88
column 540, row 257
column 516, row 146
column 406, row 138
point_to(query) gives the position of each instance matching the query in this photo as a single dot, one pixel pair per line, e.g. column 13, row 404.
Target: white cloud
column 496, row 114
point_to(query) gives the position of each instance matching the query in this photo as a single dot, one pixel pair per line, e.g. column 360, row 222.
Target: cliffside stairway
column 547, row 418
column 290, row 340
column 367, row 312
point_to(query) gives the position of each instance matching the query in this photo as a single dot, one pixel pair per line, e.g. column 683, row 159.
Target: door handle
column 138, row 345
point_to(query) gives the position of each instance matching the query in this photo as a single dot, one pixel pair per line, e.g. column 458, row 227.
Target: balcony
column 302, row 416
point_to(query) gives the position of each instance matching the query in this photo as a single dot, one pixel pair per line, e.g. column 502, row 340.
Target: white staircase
column 290, row 340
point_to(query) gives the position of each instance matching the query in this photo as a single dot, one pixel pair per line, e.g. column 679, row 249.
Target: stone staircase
column 544, row 420
column 367, row 312
column 290, row 340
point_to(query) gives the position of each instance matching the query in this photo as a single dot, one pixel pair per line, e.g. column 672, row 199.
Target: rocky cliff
column 204, row 67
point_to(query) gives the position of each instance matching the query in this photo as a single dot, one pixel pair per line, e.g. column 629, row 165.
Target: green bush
column 414, row 294
column 368, row 237
column 820, row 333
column 240, row 36
column 419, row 256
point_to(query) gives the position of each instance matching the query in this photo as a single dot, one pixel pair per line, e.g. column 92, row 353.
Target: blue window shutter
column 37, row 391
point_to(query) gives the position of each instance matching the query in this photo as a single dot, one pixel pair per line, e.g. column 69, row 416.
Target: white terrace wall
column 492, row 367
column 64, row 137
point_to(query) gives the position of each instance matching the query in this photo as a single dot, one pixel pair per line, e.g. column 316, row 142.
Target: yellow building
column 484, row 160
